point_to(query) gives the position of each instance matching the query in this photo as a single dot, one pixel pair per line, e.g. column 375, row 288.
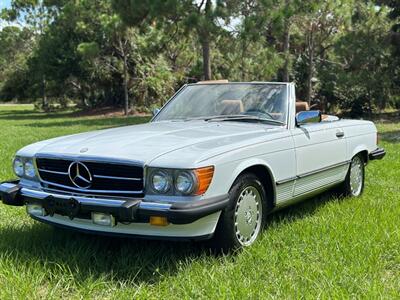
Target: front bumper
column 378, row 153
column 71, row 210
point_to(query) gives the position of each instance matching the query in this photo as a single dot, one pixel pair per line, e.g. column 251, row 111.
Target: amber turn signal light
column 204, row 177
column 158, row 221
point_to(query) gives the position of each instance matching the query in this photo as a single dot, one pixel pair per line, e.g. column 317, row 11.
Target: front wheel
column 243, row 219
column 354, row 183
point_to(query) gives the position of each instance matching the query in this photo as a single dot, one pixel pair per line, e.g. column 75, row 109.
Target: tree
column 202, row 17
column 82, row 48
column 15, row 49
column 37, row 15
column 321, row 23
column 132, row 54
column 274, row 22
column 394, row 15
column 363, row 56
column 279, row 22
column 121, row 43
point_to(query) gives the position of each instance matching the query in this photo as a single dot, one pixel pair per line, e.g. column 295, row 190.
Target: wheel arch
column 266, row 176
column 363, row 151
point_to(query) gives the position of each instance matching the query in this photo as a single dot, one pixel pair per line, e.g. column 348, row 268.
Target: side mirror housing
column 309, row 116
column 155, row 111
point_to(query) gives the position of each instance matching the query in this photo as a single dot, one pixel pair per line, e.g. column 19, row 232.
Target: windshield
column 231, row 101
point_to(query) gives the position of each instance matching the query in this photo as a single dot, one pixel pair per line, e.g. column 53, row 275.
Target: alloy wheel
column 356, row 176
column 248, row 216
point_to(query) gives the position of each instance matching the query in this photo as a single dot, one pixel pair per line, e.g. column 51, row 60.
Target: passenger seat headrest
column 302, row 106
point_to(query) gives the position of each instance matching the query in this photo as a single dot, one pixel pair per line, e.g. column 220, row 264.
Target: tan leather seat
column 232, row 107
column 302, row 106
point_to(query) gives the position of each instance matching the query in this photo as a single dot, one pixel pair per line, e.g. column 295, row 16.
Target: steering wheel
column 258, row 113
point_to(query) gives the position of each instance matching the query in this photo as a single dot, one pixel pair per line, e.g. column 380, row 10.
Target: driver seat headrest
column 232, row 107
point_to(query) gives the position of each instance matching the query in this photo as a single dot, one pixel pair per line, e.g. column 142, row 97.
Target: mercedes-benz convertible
column 212, row 163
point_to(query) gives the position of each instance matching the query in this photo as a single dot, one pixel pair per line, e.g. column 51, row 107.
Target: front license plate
column 66, row 207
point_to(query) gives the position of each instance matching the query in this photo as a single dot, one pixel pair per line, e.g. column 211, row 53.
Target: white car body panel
column 300, row 160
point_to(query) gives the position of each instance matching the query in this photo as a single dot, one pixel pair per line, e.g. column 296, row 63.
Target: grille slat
column 108, row 178
column 53, row 172
column 117, row 178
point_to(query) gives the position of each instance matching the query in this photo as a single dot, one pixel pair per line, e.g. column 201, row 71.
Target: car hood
column 146, row 142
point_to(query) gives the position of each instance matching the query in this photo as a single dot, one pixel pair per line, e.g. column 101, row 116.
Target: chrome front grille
column 107, row 178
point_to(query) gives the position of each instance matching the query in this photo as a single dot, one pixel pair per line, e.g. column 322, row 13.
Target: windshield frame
column 286, row 124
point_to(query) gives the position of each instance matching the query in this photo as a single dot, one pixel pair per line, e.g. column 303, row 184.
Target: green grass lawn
column 321, row 248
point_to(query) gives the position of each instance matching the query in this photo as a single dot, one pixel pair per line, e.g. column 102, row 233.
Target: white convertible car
column 212, row 163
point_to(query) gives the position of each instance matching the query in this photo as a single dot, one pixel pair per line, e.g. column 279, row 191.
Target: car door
column 320, row 153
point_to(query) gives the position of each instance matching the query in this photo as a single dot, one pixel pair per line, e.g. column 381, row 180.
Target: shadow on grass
column 304, row 208
column 21, row 115
column 73, row 118
column 68, row 118
column 94, row 256
column 107, row 258
column 393, row 116
column 390, row 136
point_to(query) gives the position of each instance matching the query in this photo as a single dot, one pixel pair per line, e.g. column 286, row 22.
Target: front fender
column 226, row 174
column 247, row 164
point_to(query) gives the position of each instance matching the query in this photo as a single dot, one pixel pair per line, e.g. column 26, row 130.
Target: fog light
column 35, row 210
column 158, row 221
column 103, row 219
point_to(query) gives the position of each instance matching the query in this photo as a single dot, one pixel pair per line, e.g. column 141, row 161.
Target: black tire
column 225, row 238
column 346, row 189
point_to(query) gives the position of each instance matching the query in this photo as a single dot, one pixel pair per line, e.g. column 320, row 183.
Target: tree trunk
column 310, row 76
column 44, row 94
column 206, row 57
column 126, row 94
column 125, row 78
column 286, row 51
column 83, row 100
column 243, row 64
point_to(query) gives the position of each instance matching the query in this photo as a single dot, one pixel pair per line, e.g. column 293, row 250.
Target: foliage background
column 342, row 54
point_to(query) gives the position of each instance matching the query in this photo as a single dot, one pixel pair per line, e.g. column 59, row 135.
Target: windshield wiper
column 243, row 118
column 246, row 118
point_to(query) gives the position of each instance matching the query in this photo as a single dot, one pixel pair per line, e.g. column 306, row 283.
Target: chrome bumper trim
column 6, row 186
column 91, row 201
column 126, row 210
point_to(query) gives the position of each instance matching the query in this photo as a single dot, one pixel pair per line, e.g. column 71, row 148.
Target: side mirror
column 155, row 111
column 309, row 116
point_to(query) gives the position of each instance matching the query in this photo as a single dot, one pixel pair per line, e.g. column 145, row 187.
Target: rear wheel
column 243, row 219
column 354, row 183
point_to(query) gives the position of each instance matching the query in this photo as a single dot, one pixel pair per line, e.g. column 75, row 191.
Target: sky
column 5, row 3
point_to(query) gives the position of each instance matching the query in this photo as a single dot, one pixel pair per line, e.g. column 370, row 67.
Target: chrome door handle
column 340, row 134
